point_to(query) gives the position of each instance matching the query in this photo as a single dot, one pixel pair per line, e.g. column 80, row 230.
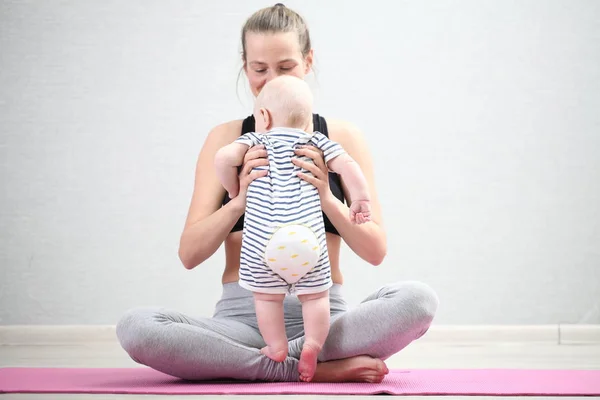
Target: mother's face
column 269, row 55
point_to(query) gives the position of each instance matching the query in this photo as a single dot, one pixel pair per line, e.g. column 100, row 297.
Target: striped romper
column 283, row 241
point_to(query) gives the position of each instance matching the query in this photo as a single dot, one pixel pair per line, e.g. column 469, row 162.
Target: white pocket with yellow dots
column 292, row 252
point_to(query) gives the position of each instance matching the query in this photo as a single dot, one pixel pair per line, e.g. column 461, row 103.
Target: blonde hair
column 277, row 19
column 289, row 100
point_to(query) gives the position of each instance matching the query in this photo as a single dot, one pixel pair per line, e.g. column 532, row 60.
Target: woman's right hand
column 256, row 156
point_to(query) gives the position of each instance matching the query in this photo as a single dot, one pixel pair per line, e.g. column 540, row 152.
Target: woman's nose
column 272, row 75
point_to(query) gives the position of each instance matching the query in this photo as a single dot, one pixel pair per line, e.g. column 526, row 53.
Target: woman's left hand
column 320, row 173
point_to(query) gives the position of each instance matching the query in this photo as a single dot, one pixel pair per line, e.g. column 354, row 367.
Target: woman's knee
column 132, row 330
column 426, row 298
column 419, row 297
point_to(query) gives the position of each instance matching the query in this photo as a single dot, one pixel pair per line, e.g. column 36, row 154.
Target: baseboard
column 437, row 334
column 56, row 334
column 551, row 334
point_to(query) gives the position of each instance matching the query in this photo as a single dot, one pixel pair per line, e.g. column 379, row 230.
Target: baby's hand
column 360, row 211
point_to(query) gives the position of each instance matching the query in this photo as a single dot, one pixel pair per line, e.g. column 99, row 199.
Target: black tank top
column 335, row 184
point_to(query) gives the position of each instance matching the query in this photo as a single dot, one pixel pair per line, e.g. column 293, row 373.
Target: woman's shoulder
column 221, row 135
column 346, row 133
column 227, row 131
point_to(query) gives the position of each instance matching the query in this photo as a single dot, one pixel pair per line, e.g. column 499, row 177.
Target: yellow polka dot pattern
column 292, row 252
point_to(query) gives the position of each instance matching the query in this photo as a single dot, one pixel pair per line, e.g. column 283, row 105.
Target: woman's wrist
column 329, row 203
column 236, row 206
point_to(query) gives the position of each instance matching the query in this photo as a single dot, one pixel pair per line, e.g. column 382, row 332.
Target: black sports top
column 335, row 184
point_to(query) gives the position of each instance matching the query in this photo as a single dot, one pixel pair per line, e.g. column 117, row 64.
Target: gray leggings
column 227, row 346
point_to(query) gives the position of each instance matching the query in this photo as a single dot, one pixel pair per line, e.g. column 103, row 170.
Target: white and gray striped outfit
column 283, row 242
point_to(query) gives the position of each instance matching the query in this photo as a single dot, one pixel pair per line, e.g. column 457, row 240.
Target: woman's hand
column 318, row 169
column 255, row 157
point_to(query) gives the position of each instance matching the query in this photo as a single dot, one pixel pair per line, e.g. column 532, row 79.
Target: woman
column 276, row 41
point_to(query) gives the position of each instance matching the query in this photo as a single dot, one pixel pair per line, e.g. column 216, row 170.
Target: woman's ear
column 244, row 64
column 308, row 62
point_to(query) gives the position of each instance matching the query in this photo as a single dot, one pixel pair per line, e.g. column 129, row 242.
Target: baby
column 283, row 242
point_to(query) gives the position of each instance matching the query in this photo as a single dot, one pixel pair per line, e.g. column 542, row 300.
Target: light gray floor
column 418, row 355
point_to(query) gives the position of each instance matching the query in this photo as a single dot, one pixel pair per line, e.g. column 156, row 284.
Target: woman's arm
column 208, row 224
column 367, row 240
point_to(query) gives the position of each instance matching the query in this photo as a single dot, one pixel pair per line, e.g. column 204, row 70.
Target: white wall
column 482, row 117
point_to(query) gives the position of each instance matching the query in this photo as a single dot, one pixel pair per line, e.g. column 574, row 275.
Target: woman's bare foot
column 277, row 356
column 355, row 369
column 308, row 362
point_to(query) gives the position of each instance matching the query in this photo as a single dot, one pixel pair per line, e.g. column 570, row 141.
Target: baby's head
column 285, row 101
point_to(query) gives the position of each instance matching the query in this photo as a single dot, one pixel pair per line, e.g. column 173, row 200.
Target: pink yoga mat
column 498, row 382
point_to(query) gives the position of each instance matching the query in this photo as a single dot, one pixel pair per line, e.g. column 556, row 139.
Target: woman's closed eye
column 284, row 69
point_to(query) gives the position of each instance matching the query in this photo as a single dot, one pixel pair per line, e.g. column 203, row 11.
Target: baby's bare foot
column 308, row 362
column 277, row 356
column 355, row 369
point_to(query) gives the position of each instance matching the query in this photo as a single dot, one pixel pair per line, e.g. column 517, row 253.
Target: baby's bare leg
column 269, row 314
column 315, row 312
